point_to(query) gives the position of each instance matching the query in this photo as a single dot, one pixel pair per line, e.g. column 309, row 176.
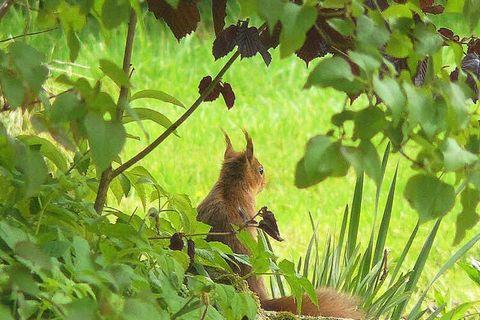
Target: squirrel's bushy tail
column 330, row 304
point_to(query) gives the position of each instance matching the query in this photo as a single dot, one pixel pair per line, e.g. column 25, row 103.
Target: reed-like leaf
column 385, row 224
column 418, row 268
column 355, row 216
column 450, row 262
column 400, row 260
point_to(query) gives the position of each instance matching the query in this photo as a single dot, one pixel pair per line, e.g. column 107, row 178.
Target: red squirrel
column 242, row 177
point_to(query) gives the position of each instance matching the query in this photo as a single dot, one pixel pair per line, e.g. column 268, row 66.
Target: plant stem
column 27, row 34
column 139, row 156
column 4, row 7
column 107, row 175
column 127, row 58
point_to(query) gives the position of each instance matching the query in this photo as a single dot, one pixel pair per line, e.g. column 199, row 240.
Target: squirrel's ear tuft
column 229, row 152
column 249, row 148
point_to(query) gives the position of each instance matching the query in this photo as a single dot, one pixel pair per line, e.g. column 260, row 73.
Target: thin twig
column 27, row 34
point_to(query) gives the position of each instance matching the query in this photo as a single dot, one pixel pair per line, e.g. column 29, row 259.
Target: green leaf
column 114, row 72
column 136, row 308
column 428, row 195
column 365, row 61
column 11, row 234
column 471, row 12
column 115, row 12
column 158, row 95
column 29, row 251
column 455, row 157
column 333, row 72
column 368, row 122
column 12, row 87
column 29, row 62
column 398, row 11
column 106, row 139
column 343, row 26
column 148, row 114
column 468, row 218
column 399, row 45
column 5, row 313
column 73, row 44
column 296, row 21
column 423, row 111
column 34, row 170
column 322, row 159
column 370, row 34
column 364, row 159
column 67, row 107
column 391, row 93
column 48, row 149
column 428, row 40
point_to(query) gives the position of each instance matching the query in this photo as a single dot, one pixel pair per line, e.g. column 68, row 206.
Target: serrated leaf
column 428, row 195
column 158, row 95
column 106, row 139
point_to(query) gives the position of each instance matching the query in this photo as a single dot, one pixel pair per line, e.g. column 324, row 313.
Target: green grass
column 280, row 116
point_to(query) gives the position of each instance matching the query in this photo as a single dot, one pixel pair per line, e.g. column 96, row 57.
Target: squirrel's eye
column 260, row 170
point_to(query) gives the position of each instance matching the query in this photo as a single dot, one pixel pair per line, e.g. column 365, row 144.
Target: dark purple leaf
column 474, row 46
column 269, row 224
column 313, row 47
column 422, row 67
column 471, row 65
column 271, row 39
column 203, row 85
column 181, row 20
column 249, row 43
column 191, row 250
column 176, row 242
column 224, row 42
column 228, row 95
column 454, row 75
column 427, row 6
column 219, row 11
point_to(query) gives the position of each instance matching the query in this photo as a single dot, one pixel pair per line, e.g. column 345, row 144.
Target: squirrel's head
column 242, row 167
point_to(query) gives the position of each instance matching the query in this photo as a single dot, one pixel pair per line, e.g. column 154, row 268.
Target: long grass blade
column 385, row 224
column 278, row 278
column 355, row 216
column 450, row 262
column 418, row 268
column 400, row 261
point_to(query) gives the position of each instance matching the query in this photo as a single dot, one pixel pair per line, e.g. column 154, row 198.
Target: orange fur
column 241, row 179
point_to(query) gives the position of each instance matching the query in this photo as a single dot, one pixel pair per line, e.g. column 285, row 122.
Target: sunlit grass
column 279, row 115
